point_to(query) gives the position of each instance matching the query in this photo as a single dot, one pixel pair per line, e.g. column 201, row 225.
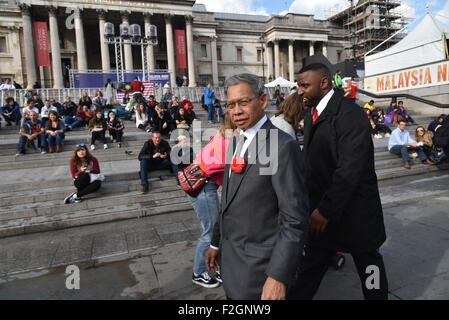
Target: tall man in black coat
column 346, row 212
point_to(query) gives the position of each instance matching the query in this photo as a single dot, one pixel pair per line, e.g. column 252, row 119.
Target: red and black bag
column 192, row 179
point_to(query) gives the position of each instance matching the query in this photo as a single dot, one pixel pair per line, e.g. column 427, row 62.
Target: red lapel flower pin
column 238, row 164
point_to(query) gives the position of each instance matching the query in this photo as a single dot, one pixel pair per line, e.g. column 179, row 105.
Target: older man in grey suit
column 264, row 217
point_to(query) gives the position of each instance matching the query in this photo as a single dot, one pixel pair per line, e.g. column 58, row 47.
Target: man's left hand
column 317, row 223
column 273, row 290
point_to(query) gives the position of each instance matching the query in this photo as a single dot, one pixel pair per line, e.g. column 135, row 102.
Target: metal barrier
column 404, row 95
column 192, row 94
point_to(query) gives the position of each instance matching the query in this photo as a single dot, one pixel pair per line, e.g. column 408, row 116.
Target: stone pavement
column 152, row 257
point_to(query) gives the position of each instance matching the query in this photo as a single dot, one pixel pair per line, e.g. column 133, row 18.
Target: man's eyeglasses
column 80, row 145
column 242, row 102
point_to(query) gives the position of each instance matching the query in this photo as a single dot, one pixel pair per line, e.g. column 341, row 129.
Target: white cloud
column 233, row 6
column 408, row 8
column 322, row 9
column 445, row 11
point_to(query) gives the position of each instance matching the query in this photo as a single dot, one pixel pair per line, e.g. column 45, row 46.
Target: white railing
column 192, row 94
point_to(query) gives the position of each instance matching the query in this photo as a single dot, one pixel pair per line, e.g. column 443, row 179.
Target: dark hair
column 76, row 160
column 402, row 120
column 371, row 101
column 442, row 116
column 316, row 67
column 156, row 131
column 53, row 112
column 292, row 109
column 401, row 102
column 9, row 99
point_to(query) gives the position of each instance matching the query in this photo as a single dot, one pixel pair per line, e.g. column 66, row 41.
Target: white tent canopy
column 281, row 82
column 423, row 45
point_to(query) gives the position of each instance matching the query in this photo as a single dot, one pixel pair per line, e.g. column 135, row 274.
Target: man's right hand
column 211, row 260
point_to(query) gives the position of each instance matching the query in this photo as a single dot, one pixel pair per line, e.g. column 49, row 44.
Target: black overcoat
column 341, row 178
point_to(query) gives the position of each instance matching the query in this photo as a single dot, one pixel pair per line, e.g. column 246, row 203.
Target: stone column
column 58, row 82
column 213, row 48
column 170, row 49
column 105, row 58
column 128, row 52
column 28, row 39
column 190, row 54
column 277, row 62
column 311, row 48
column 291, row 61
column 270, row 61
column 80, row 43
column 325, row 49
column 150, row 49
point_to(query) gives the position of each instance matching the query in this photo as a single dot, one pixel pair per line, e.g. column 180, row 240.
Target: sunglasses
column 80, row 145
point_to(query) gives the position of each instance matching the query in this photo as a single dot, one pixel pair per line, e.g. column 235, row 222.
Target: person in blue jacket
column 11, row 111
column 209, row 99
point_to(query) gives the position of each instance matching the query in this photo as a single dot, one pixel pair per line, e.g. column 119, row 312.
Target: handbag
column 192, row 179
column 96, row 176
column 389, row 119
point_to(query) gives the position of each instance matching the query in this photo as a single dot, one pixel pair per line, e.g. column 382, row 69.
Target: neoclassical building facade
column 217, row 45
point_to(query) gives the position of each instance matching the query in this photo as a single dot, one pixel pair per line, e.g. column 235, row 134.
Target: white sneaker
column 92, row 147
column 387, row 135
column 105, row 146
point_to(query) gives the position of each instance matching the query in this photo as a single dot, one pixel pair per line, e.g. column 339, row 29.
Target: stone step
column 59, row 193
column 49, row 208
column 399, row 171
column 88, row 217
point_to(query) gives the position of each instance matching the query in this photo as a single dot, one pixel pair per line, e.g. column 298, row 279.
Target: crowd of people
column 260, row 243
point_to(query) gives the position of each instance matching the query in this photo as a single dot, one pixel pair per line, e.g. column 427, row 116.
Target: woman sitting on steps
column 85, row 172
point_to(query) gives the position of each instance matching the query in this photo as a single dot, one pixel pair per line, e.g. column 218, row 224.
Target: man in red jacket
column 137, row 86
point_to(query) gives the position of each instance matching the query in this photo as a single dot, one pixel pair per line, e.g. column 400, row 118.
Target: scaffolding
column 369, row 23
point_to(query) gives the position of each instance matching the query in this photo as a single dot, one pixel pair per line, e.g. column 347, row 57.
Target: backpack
column 441, row 137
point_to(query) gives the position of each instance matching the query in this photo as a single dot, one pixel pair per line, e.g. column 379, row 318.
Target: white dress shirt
column 323, row 103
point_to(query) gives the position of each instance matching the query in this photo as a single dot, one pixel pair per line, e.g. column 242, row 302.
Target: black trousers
column 83, row 185
column 98, row 135
column 117, row 135
column 315, row 263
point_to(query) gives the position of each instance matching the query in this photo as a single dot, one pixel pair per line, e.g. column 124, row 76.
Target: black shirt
column 149, row 150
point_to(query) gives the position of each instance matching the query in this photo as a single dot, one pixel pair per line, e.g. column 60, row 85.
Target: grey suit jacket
column 263, row 222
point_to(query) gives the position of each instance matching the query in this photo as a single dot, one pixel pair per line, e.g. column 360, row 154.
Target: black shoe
column 205, row 280
column 218, row 276
column 144, row 188
column 70, row 198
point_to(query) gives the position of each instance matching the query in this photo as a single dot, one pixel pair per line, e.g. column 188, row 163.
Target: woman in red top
column 82, row 165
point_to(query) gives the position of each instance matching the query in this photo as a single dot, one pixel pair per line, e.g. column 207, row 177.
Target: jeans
column 58, row 139
column 40, row 142
column 210, row 112
column 150, row 165
column 74, row 122
column 206, row 206
column 14, row 117
column 403, row 151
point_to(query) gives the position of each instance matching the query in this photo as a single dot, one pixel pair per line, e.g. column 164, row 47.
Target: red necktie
column 315, row 115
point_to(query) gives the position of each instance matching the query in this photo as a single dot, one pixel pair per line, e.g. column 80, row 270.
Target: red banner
column 180, row 40
column 41, row 44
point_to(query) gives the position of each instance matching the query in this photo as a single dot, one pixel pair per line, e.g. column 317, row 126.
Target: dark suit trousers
column 315, row 264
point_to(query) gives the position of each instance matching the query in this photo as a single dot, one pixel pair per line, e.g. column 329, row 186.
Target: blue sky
column 320, row 8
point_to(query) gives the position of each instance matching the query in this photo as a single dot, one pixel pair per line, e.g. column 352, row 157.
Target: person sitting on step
column 401, row 143
column 85, row 170
column 32, row 131
column 54, row 130
column 143, row 118
column 162, row 122
column 377, row 128
column 98, row 127
column 182, row 119
column 115, row 127
column 11, row 111
column 155, row 155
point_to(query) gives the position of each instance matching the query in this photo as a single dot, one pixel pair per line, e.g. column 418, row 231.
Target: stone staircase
column 33, row 186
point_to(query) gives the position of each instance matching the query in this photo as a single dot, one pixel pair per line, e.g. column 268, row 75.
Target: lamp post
column 354, row 39
column 262, row 41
